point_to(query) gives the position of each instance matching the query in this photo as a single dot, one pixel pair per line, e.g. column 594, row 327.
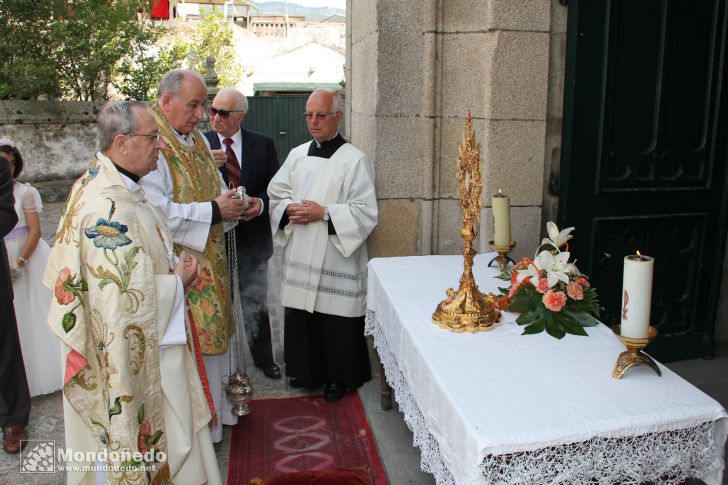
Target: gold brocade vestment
column 196, row 179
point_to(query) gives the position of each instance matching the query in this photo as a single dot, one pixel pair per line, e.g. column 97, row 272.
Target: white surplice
column 325, row 273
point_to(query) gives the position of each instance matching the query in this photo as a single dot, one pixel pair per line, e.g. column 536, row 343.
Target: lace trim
column 430, row 457
column 673, row 455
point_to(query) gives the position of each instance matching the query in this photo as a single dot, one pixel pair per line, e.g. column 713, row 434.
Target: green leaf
column 553, row 327
column 152, row 440
column 525, row 299
column 129, row 258
column 536, row 327
column 527, row 318
column 116, row 408
column 130, row 464
column 140, row 414
column 571, row 326
column 582, row 318
column 68, row 322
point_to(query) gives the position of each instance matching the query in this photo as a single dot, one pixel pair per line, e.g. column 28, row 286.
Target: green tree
column 25, row 50
column 93, row 38
column 214, row 37
column 140, row 71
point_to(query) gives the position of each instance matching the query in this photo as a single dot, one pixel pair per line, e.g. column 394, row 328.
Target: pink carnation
column 543, row 285
column 63, row 296
column 554, row 300
column 583, row 281
column 575, row 290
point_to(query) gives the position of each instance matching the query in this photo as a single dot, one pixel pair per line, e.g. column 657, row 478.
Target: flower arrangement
column 549, row 292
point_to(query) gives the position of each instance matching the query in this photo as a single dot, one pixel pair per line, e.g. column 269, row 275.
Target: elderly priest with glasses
column 323, row 208
column 133, row 402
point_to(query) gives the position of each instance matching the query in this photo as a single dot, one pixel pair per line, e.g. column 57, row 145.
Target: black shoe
column 272, row 371
column 334, row 391
column 295, row 383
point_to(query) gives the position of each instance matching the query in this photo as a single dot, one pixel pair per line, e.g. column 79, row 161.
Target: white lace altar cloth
column 498, row 407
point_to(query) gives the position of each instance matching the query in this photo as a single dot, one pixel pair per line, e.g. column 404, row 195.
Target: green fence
column 281, row 118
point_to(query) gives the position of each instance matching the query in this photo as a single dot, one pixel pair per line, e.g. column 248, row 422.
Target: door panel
column 644, row 156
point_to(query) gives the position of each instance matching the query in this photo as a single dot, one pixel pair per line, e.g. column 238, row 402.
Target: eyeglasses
column 153, row 136
column 319, row 116
column 223, row 113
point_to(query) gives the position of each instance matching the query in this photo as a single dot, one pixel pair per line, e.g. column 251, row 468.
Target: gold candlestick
column 467, row 309
column 502, row 259
column 634, row 356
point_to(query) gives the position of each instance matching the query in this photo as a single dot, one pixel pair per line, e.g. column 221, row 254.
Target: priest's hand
column 220, row 157
column 305, row 212
column 231, row 208
column 253, row 210
column 187, row 268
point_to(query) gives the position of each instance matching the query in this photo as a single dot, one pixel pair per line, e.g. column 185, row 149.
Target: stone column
column 211, row 80
column 416, row 69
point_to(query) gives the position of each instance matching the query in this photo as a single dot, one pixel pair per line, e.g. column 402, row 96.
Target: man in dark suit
column 14, row 394
column 248, row 159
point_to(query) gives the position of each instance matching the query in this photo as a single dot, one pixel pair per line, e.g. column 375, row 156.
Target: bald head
column 323, row 114
column 228, row 111
column 234, row 96
column 181, row 97
column 172, row 81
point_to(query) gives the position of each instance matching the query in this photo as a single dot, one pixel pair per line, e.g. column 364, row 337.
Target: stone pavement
column 394, row 441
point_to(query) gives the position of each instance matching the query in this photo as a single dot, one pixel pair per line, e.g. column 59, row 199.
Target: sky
column 315, row 3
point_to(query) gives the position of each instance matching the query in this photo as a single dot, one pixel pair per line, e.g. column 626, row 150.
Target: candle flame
column 499, row 191
column 638, row 253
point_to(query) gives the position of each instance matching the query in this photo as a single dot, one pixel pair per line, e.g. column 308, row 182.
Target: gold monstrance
column 467, row 309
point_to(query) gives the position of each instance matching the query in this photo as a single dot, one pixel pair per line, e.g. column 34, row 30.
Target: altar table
column 499, row 407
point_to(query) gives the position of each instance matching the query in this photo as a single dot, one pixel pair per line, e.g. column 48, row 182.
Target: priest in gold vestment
column 132, row 398
column 189, row 190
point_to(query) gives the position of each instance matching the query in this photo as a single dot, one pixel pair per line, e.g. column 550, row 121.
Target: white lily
column 556, row 238
column 557, row 266
column 528, row 272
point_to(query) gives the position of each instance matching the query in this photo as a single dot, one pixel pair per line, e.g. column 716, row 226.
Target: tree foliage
column 214, row 37
column 79, row 48
column 25, row 50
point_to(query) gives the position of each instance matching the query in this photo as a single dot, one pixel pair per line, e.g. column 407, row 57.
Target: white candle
column 501, row 219
column 636, row 295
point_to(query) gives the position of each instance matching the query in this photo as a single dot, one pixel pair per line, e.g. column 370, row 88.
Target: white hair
column 117, row 117
column 337, row 104
column 241, row 102
column 170, row 83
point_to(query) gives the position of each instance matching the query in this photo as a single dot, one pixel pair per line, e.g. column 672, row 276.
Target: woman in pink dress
column 27, row 256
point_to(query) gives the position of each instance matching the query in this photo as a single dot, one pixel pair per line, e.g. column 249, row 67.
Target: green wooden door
column 281, row 118
column 644, row 156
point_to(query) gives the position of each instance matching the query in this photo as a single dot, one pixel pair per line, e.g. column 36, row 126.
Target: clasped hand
column 305, row 212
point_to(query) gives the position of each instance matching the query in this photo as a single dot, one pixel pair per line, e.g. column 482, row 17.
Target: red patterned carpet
column 302, row 433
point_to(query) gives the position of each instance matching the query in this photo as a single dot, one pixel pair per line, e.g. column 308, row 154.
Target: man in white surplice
column 132, row 392
column 323, row 208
